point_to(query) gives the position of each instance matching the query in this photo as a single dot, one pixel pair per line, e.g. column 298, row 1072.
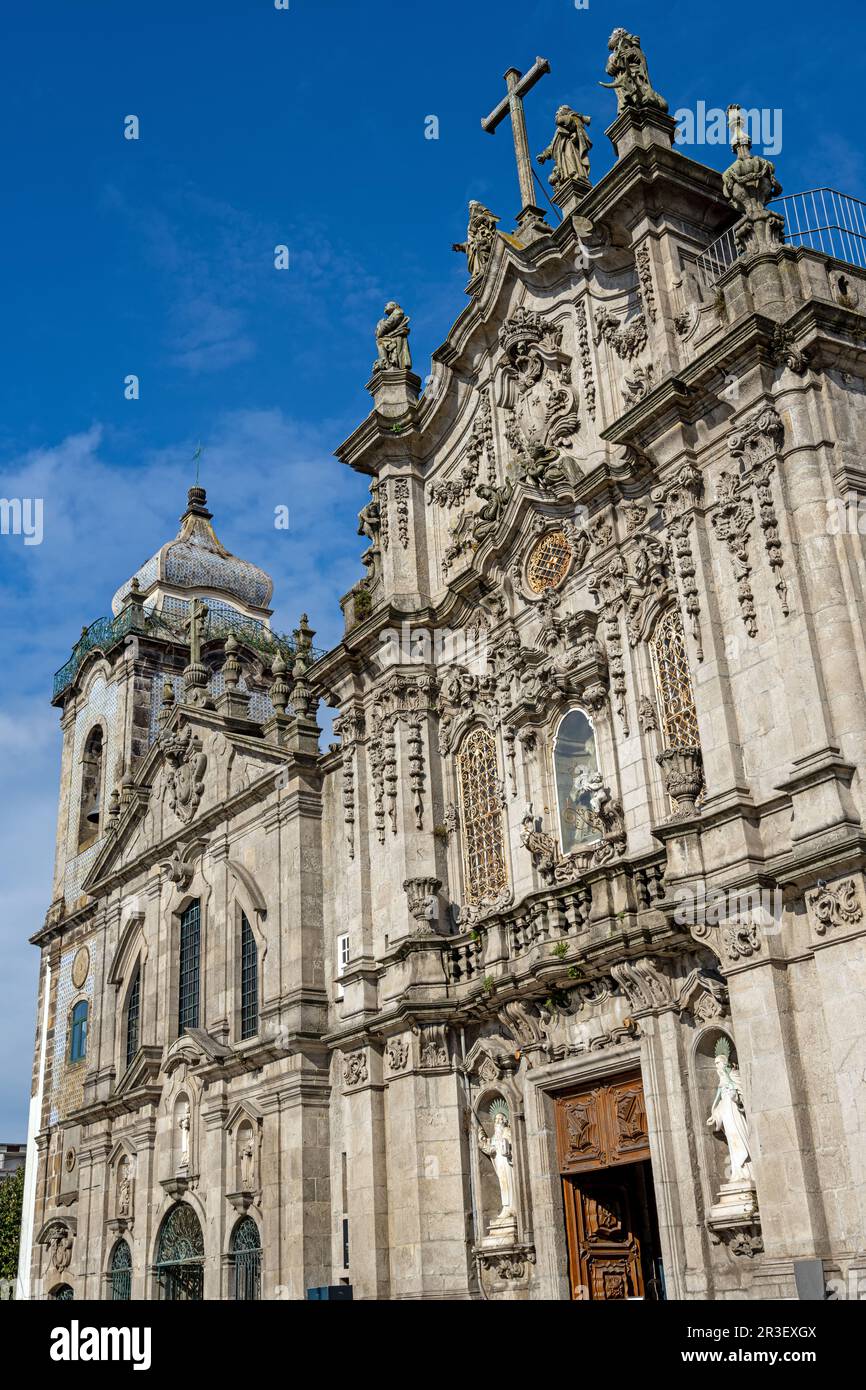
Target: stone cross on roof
column 512, row 105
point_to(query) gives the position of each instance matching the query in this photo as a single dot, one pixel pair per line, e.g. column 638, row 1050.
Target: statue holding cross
column 511, row 105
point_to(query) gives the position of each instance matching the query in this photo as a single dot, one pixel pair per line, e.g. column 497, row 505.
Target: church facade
column 547, row 980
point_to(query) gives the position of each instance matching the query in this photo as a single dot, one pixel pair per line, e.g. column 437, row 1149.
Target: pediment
column 244, row 1110
column 194, row 1048
column 142, row 1071
column 183, row 779
column 491, row 1058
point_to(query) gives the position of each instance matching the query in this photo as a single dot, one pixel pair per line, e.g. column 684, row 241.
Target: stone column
column 358, row 1074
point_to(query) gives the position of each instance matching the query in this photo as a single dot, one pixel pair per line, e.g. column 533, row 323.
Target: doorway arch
column 179, row 1266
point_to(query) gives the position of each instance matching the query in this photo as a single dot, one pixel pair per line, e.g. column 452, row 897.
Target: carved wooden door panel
column 602, row 1126
column 605, row 1250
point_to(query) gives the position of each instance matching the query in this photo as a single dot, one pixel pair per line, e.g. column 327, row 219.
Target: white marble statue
column 247, row 1166
column 183, row 1126
column 728, row 1115
column 498, row 1150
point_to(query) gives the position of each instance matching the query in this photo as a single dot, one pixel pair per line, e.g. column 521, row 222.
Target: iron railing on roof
column 821, row 218
column 106, row 633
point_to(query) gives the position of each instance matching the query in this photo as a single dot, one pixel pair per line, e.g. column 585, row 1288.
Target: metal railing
column 825, row 221
column 106, row 633
column 821, row 218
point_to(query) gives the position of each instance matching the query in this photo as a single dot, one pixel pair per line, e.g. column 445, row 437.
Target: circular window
column 549, row 562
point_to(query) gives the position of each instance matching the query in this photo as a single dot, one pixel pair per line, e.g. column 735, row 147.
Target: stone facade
column 611, row 502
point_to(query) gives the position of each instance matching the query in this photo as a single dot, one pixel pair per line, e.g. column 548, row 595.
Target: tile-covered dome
column 197, row 559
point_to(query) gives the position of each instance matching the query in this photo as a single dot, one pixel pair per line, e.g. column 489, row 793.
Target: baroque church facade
column 548, row 979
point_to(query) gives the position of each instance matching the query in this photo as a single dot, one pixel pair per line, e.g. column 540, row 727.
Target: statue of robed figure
column 728, row 1114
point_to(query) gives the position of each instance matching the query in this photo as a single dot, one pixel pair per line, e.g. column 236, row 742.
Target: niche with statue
column 497, row 1157
column 727, row 1143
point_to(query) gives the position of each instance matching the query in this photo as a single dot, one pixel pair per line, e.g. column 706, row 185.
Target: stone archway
column 179, row 1266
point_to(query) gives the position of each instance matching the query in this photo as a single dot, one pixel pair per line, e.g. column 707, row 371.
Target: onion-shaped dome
column 197, row 559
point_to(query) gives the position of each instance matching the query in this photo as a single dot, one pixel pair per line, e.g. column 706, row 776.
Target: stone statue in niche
column 247, row 1163
column 728, row 1114
column 124, row 1187
column 569, row 149
column 183, row 1134
column 498, row 1149
column 392, row 340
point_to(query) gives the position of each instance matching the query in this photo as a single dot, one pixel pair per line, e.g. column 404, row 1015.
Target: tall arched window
column 247, row 1260
column 133, row 1013
column 188, row 968
column 249, row 980
column 574, row 762
column 674, row 683
column 78, row 1031
column 481, row 816
column 91, row 789
column 120, row 1272
column 179, row 1264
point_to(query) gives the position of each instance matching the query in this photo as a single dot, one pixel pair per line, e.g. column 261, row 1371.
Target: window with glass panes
column 133, row 1006
column 249, row 980
column 188, row 968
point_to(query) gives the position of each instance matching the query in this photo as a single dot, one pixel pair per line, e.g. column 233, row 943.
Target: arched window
column 574, row 762
column 62, row 1293
column 179, row 1265
column 481, row 816
column 674, row 683
column 249, row 980
column 120, row 1272
column 78, row 1031
column 188, row 968
column 133, row 1012
column 246, row 1254
column 91, row 789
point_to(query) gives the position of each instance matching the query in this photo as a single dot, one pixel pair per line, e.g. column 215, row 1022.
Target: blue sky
column 260, row 127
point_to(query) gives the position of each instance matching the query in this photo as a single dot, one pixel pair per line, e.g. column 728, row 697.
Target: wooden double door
column 610, row 1214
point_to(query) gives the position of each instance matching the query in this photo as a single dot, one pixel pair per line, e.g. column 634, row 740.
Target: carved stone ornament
column 604, row 815
column 534, row 386
column 457, row 488
column 643, row 982
column 749, row 184
column 683, row 772
column 433, row 1047
column 421, row 893
column 835, row 905
column 355, row 1069
column 511, row 1264
column 397, row 1053
column 627, row 338
column 59, row 1240
column 676, row 502
column 185, row 781
column 704, row 995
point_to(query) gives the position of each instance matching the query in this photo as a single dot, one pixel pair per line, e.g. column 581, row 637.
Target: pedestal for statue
column 640, row 127
column 737, row 1205
column 394, row 391
column 501, row 1231
column 570, row 193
